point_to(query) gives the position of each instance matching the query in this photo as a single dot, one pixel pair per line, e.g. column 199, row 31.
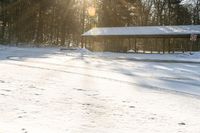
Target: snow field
column 48, row 90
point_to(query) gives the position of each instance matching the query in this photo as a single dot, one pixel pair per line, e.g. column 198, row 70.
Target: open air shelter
column 144, row 38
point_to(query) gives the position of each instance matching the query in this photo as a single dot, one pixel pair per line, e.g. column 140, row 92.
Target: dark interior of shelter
column 142, row 45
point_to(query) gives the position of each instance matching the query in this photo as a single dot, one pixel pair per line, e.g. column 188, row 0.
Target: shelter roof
column 181, row 30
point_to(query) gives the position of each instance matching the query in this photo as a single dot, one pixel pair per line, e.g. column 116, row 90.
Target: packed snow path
column 45, row 91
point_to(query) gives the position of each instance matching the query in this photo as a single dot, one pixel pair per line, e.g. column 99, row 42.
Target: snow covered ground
column 45, row 90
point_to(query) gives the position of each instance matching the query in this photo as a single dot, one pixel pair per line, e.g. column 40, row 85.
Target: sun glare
column 91, row 11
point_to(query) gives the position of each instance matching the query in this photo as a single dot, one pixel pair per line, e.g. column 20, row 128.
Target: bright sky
column 189, row 1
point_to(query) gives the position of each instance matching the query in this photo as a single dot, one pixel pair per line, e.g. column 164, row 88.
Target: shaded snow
column 187, row 57
column 53, row 91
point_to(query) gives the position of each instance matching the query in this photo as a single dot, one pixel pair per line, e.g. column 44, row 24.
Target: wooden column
column 182, row 46
column 104, row 44
column 144, row 46
column 157, row 46
column 129, row 44
column 86, row 40
column 173, row 45
column 93, row 43
column 169, row 45
column 163, row 41
column 135, row 45
column 152, row 46
column 82, row 41
column 90, row 42
column 185, row 44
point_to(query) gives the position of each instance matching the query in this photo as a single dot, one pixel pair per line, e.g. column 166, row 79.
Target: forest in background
column 61, row 22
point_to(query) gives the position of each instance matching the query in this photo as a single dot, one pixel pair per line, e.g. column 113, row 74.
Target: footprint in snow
column 132, row 107
column 32, row 86
column 152, row 118
column 1, row 81
column 182, row 123
column 37, row 94
column 20, row 117
column 3, row 95
column 6, row 90
column 86, row 104
column 24, row 130
column 79, row 89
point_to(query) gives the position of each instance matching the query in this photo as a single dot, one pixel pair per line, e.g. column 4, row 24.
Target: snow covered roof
column 144, row 31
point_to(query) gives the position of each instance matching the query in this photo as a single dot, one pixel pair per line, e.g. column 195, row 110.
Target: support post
column 163, row 45
column 82, row 41
column 86, row 41
column 89, row 43
column 144, row 46
column 93, row 42
column 152, row 46
column 169, row 45
column 157, row 45
column 191, row 47
column 173, row 45
column 182, row 46
column 135, row 45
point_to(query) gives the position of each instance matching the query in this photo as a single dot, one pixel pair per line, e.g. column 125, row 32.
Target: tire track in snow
column 19, row 59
